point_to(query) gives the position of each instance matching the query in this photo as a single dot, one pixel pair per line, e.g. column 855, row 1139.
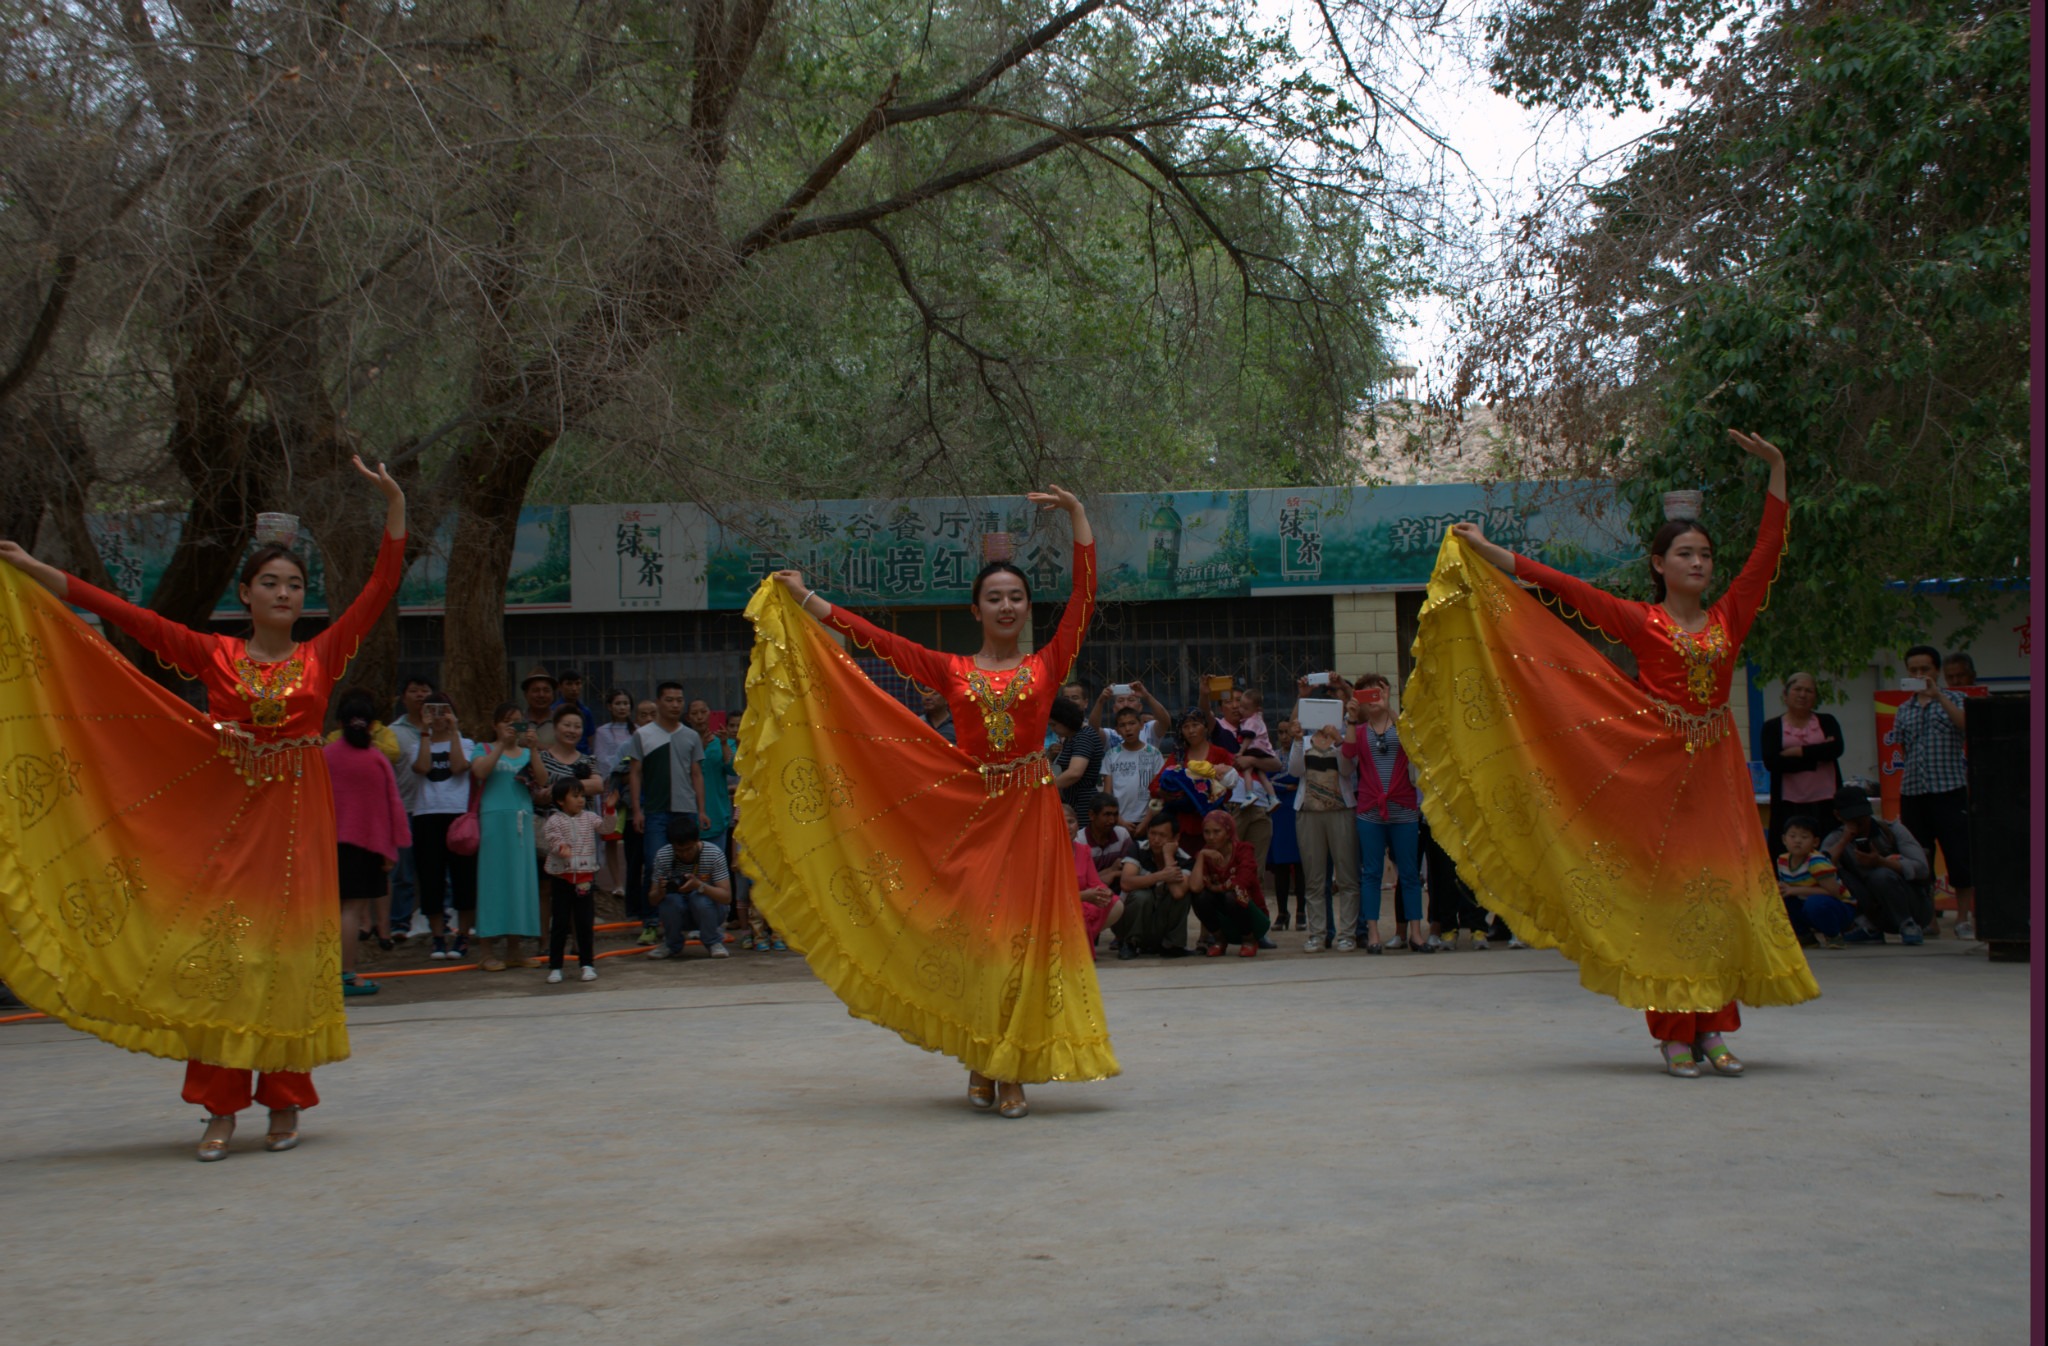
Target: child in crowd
column 759, row 935
column 1249, row 722
column 1099, row 905
column 1814, row 896
column 1131, row 764
column 571, row 833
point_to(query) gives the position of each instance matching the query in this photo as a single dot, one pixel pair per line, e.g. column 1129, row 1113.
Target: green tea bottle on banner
column 1162, row 550
column 1234, row 549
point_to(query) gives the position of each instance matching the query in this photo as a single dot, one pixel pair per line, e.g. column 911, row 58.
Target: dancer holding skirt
column 1611, row 818
column 167, row 876
column 930, row 886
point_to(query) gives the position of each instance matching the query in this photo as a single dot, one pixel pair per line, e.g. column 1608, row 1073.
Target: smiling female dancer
column 1611, row 818
column 168, row 876
column 931, row 886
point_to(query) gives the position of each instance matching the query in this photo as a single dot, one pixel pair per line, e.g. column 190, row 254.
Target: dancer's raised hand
column 1475, row 537
column 1059, row 497
column 51, row 578
column 793, row 580
column 380, row 478
column 394, row 495
column 1762, row 448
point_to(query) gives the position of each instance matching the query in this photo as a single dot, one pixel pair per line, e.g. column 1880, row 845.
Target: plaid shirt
column 1932, row 746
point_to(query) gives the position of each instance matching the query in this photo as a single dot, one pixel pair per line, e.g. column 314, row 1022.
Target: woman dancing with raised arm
column 168, row 876
column 1610, row 818
column 930, row 886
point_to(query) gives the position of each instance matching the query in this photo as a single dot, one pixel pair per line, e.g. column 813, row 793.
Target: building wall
column 1363, row 632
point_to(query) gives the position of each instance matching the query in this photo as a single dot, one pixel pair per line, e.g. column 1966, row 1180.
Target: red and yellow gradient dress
column 930, row 886
column 167, row 876
column 1609, row 817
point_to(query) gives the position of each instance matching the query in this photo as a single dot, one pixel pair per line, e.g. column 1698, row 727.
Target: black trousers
column 1232, row 923
column 637, row 906
column 1452, row 905
column 1885, row 899
column 1944, row 818
column 434, row 866
column 1287, row 878
column 566, row 906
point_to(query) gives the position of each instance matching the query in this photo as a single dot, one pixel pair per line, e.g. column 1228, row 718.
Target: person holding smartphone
column 508, row 877
column 1934, row 795
column 442, row 796
column 1155, row 728
column 1885, row 869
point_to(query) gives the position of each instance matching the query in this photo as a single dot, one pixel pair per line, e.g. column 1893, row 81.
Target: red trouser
column 1692, row 1027
column 224, row 1092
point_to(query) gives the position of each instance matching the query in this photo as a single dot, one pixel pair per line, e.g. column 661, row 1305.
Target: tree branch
column 863, row 216
column 774, row 229
column 39, row 337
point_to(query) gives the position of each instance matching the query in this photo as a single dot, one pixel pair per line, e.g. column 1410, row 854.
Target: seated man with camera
column 1885, row 869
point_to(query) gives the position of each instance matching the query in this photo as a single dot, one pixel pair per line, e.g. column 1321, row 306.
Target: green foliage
column 1068, row 319
column 1829, row 248
column 1590, row 53
column 1881, row 335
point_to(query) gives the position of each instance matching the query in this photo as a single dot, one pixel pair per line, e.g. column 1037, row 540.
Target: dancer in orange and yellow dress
column 168, row 877
column 1613, row 819
column 930, row 886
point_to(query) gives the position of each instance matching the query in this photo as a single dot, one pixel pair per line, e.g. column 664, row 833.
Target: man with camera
column 1884, row 868
column 691, row 888
column 1934, row 795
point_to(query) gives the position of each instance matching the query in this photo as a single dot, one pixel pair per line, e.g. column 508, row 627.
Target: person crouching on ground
column 1226, row 887
column 1155, row 888
column 1814, row 897
column 571, row 833
column 1100, row 906
column 691, row 886
column 1885, row 869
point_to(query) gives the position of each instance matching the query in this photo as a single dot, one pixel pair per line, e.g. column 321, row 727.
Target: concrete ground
column 1462, row 1148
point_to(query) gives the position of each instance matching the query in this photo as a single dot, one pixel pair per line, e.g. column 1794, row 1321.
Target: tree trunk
column 493, row 474
column 25, row 461
column 350, row 530
column 55, row 436
column 221, row 520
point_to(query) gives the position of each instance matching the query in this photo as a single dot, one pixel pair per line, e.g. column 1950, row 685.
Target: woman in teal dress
column 507, row 875
column 719, row 774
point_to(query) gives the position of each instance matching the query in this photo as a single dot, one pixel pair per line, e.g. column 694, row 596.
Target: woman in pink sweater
column 369, row 826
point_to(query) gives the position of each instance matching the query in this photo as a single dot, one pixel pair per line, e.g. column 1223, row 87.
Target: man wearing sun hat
column 538, row 688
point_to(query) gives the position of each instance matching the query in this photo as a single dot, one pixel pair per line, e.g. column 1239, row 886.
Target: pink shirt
column 1093, row 918
column 1816, row 782
column 367, row 810
column 1251, row 733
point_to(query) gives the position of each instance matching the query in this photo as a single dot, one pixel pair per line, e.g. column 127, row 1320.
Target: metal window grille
column 1169, row 644
column 705, row 651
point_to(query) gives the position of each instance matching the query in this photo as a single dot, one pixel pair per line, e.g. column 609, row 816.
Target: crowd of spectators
column 1215, row 824
column 506, row 841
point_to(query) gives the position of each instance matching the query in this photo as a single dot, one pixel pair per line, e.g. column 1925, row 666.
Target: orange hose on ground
column 423, row 971
column 17, row 1018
